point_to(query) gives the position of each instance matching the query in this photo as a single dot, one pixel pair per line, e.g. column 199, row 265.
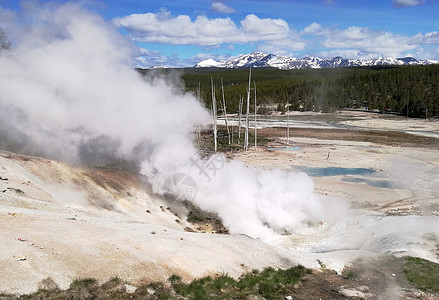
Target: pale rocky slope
column 70, row 222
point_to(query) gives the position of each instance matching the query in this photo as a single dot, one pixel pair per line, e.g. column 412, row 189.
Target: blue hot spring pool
column 353, row 175
column 334, row 171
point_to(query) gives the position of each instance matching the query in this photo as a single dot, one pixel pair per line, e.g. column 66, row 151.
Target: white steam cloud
column 68, row 90
column 69, row 80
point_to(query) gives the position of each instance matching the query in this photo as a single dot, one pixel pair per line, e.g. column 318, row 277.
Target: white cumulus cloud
column 362, row 42
column 182, row 30
column 430, row 38
column 222, row 8
column 269, row 28
column 403, row 3
column 349, row 53
column 314, row 28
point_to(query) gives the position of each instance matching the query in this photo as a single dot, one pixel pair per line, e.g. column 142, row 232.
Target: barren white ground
column 401, row 218
column 67, row 223
column 56, row 221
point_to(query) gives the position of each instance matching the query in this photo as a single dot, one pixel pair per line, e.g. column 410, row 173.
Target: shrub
column 268, row 289
column 174, row 279
column 200, row 293
column 247, row 281
column 292, row 275
column 83, row 289
column 223, row 281
column 113, row 283
column 351, row 275
column 154, row 290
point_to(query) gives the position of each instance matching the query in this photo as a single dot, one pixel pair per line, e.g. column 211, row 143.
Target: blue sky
column 182, row 32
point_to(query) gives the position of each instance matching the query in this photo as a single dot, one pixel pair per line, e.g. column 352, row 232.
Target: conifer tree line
column 411, row 91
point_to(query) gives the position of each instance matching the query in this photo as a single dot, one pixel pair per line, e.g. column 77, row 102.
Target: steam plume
column 68, row 90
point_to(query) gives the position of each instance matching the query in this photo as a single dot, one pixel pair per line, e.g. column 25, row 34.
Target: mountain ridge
column 264, row 60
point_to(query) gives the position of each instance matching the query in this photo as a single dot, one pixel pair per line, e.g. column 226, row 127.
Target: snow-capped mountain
column 208, row 63
column 261, row 60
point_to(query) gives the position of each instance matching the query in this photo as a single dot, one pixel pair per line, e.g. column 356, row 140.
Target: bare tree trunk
column 214, row 116
column 241, row 103
column 199, row 126
column 225, row 111
column 288, row 123
column 247, row 119
column 256, row 133
column 232, row 133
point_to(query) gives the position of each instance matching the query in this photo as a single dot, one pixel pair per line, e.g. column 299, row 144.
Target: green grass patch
column 422, row 273
column 269, row 283
column 351, row 274
column 223, row 282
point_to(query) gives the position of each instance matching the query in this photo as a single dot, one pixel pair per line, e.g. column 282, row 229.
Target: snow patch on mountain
column 208, row 63
column 264, row 60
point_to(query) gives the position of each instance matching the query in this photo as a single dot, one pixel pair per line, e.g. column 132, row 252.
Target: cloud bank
column 163, row 28
column 361, row 42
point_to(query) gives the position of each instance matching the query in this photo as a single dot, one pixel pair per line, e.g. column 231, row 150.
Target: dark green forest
column 411, row 91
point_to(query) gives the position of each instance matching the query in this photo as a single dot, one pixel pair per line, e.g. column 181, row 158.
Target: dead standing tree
column 199, row 126
column 225, row 111
column 241, row 103
column 247, row 119
column 288, row 123
column 256, row 133
column 214, row 111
